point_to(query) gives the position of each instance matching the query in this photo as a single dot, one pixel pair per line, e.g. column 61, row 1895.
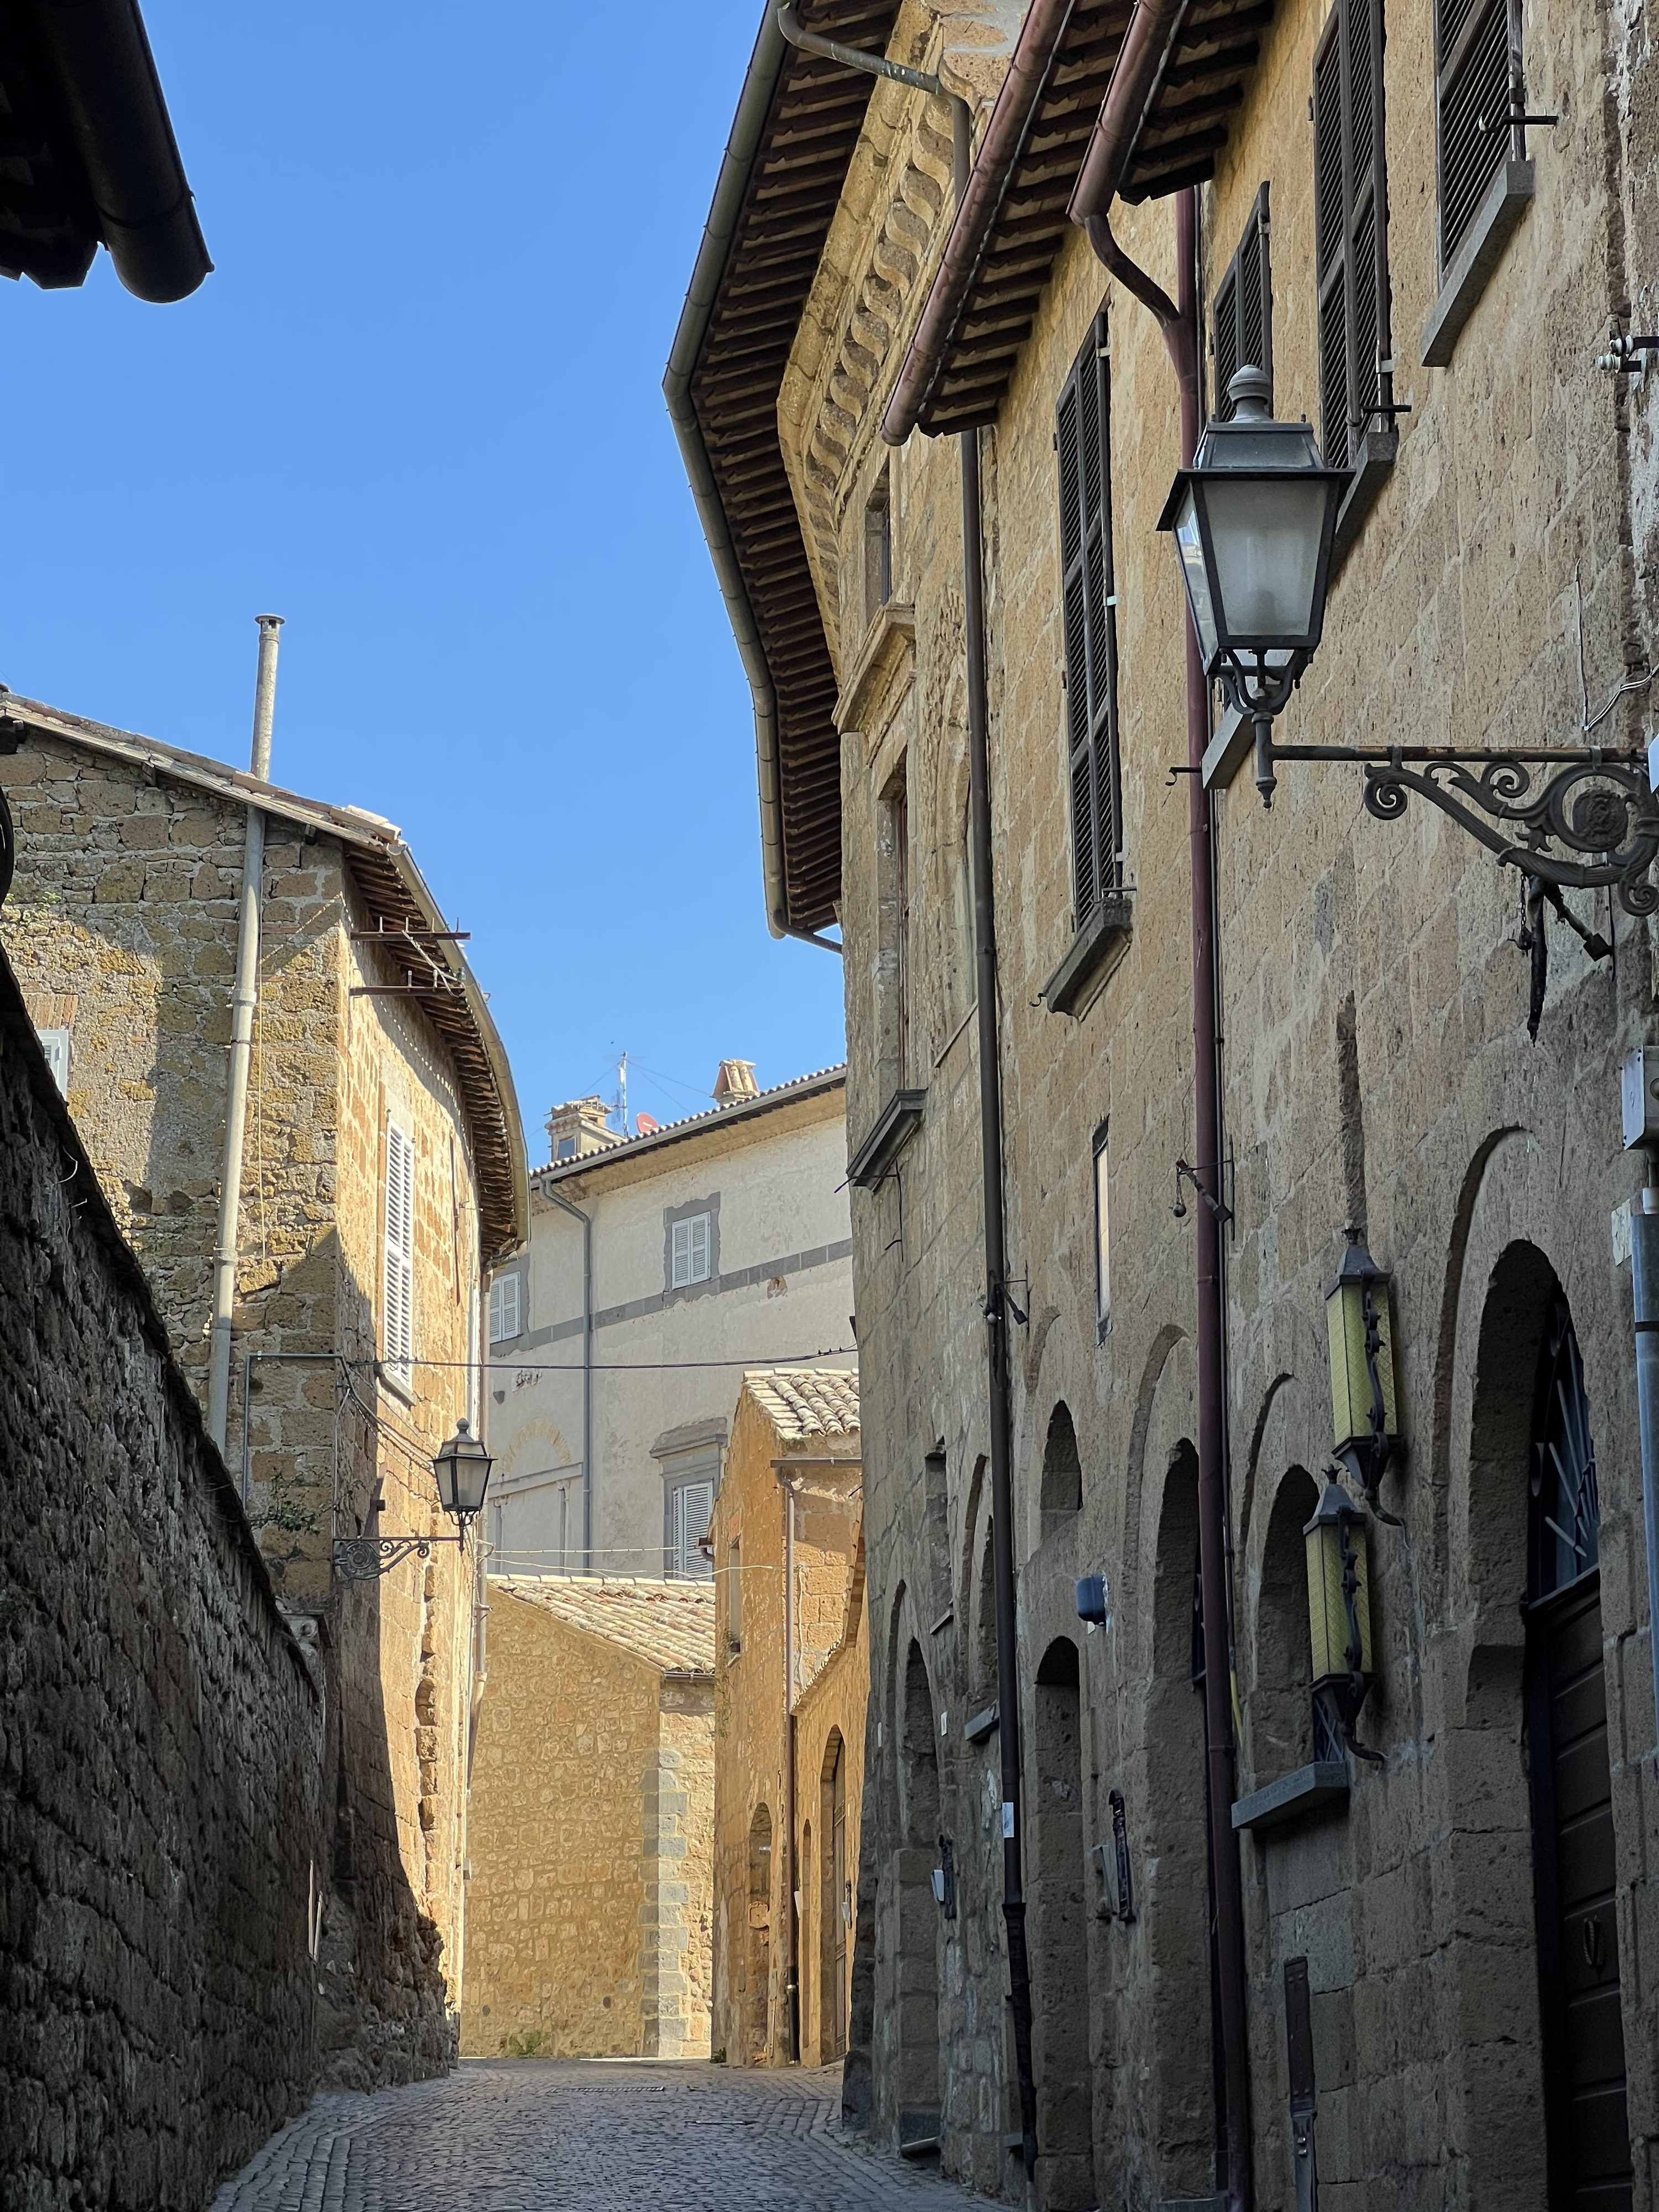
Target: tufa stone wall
column 588, row 1905
column 161, row 1738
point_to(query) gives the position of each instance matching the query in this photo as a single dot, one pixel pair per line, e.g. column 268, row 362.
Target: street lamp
column 1340, row 1610
column 461, row 1466
column 1363, row 1418
column 1252, row 519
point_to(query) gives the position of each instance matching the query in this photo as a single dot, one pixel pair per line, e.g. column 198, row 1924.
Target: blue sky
column 416, row 411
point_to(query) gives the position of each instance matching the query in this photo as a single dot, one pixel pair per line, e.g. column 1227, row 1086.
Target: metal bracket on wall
column 366, row 1559
column 1591, row 803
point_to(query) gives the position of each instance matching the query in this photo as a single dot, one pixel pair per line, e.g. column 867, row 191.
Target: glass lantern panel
column 1190, row 549
column 1350, row 1381
column 1266, row 538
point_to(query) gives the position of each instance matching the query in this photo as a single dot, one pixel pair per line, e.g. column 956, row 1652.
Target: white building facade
column 659, row 1265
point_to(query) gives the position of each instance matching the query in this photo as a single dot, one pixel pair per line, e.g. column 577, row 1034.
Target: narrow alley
column 508, row 2135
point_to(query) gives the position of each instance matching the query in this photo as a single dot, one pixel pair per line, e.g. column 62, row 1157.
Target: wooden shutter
column 1477, row 87
column 699, row 1228
column 1243, row 313
column 1351, row 229
column 1083, row 443
column 694, row 1505
column 399, row 1315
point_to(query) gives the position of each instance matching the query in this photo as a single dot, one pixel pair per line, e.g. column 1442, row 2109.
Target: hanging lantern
column 1339, row 1612
column 462, row 1466
column 1363, row 1421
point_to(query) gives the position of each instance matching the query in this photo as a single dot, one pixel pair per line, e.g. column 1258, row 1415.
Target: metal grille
column 1566, row 1503
column 1477, row 70
column 1083, row 444
column 1351, row 227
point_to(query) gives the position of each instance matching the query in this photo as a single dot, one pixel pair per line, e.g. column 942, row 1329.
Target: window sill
column 896, row 1123
column 1325, row 1782
column 1506, row 202
column 981, row 1728
column 393, row 1385
column 1378, row 451
column 892, row 630
column 1095, row 951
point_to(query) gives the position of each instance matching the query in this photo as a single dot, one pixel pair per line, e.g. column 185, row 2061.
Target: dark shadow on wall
column 1064, row 2180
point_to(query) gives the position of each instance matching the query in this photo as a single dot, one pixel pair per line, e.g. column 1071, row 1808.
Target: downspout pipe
column 792, row 1916
column 586, row 1221
column 1157, row 22
column 1644, row 1285
column 731, row 190
column 243, row 1002
column 990, row 1104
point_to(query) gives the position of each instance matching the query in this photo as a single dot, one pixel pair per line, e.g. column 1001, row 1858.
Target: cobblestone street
column 521, row 2136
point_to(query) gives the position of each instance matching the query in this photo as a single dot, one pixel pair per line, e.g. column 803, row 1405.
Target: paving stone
column 532, row 2134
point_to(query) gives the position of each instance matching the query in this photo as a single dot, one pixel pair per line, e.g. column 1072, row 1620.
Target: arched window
column 1566, row 1504
column 1063, row 1469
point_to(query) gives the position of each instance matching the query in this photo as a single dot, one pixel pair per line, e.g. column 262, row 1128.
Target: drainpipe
column 1645, row 1284
column 1145, row 48
column 792, row 1918
column 1051, row 21
column 243, row 1003
column 586, row 1221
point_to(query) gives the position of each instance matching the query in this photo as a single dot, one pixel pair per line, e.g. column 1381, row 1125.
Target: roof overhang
column 798, row 123
column 396, row 900
column 87, row 156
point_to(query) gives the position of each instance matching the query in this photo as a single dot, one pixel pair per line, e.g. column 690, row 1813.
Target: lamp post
column 461, row 1466
column 1252, row 521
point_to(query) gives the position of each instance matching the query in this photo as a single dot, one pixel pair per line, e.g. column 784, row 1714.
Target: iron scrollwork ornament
column 366, row 1559
column 1599, row 807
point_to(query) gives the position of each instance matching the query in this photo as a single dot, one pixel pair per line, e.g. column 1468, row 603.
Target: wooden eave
column 1187, row 124
column 812, row 130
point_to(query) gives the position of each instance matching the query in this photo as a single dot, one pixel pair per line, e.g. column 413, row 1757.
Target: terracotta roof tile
column 803, row 1402
column 669, row 1624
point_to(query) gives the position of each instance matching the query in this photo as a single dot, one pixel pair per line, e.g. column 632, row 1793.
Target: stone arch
column 1059, row 1960
column 1280, row 1712
column 1180, row 2124
column 971, row 1520
column 757, row 1960
column 1138, row 1508
column 1061, row 1485
column 917, row 1755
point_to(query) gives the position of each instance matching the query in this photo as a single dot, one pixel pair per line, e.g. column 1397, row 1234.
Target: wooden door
column 1587, row 2131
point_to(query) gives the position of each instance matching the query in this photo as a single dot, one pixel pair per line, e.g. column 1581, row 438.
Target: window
column 878, row 552
column 690, row 1506
column 1083, row 443
column 55, row 1043
column 690, row 1261
column 566, row 1148
column 506, row 1309
column 1351, row 223
column 1244, row 310
column 399, row 1331
column 1477, row 89
column 1102, row 1240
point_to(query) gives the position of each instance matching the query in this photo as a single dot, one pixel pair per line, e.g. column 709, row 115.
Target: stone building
column 383, row 1170
column 590, row 1889
column 656, row 1264
column 792, row 1686
column 1428, row 280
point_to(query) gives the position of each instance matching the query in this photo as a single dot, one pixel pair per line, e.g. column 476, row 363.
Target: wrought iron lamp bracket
column 366, row 1559
column 1611, row 821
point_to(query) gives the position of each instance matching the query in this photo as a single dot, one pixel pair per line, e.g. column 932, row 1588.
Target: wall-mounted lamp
column 1339, row 1611
column 461, row 1466
column 1363, row 1420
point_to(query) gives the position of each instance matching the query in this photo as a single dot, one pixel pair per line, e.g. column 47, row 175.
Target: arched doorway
column 835, row 1903
column 757, row 1985
column 1059, row 1952
column 917, row 2080
column 1586, row 2131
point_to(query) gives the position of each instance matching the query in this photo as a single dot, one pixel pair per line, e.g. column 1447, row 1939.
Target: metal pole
column 1644, row 1285
column 244, row 1000
column 586, row 1221
column 792, row 1919
column 1212, row 1431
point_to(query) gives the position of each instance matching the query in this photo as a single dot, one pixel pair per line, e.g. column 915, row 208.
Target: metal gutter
column 119, row 120
column 977, row 209
column 730, row 188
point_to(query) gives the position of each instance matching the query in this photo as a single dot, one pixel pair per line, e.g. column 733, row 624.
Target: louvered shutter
column 1476, row 87
column 1083, row 443
column 694, row 1507
column 1351, row 229
column 1242, row 317
column 399, row 1331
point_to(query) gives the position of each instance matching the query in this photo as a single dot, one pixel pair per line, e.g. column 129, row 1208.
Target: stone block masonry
column 161, row 1739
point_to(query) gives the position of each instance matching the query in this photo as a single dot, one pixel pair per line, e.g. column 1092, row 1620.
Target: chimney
column 735, row 1083
column 579, row 1128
